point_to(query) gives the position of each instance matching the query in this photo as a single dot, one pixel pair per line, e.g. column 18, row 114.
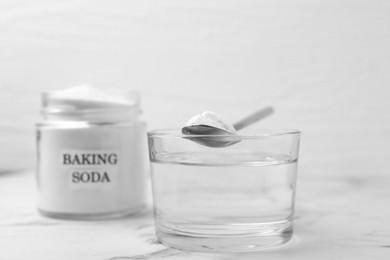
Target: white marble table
column 336, row 218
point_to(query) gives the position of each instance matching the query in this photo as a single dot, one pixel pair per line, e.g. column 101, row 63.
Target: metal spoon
column 217, row 137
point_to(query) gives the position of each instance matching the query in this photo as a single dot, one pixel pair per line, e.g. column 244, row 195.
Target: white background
column 324, row 65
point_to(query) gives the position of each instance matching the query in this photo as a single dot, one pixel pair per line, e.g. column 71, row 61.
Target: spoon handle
column 253, row 118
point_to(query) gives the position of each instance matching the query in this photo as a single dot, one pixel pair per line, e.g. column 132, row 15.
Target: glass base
column 91, row 216
column 229, row 238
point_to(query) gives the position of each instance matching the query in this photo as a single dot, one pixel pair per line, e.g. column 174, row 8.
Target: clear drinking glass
column 237, row 198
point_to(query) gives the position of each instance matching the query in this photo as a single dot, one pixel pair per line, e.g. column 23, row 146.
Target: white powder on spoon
column 210, row 118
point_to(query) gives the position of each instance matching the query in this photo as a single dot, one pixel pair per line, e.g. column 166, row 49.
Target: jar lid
column 87, row 103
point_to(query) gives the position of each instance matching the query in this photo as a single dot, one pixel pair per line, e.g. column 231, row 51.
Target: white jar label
column 90, row 169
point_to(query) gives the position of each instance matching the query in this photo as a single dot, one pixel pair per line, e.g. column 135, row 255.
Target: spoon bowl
column 210, row 136
column 204, row 130
column 216, row 137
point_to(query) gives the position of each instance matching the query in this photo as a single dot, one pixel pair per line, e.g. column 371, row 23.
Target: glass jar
column 92, row 155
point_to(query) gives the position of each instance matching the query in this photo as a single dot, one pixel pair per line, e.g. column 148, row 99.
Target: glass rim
column 255, row 133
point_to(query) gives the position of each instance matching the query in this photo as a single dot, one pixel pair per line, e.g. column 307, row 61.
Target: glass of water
column 237, row 198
